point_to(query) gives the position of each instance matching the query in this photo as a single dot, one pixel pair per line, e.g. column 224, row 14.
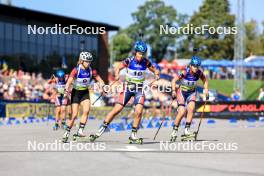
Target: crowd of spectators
column 19, row 85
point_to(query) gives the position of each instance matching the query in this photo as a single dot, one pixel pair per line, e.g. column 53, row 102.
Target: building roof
column 28, row 14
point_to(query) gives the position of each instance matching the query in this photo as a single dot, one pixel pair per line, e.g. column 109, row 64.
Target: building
column 18, row 40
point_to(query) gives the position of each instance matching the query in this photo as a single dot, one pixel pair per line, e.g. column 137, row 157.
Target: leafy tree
column 147, row 20
column 121, row 45
column 215, row 13
column 253, row 39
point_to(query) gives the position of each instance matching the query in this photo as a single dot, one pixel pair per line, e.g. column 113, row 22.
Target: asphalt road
column 222, row 149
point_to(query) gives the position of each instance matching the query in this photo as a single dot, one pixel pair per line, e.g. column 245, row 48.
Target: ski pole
column 201, row 118
column 102, row 92
column 163, row 118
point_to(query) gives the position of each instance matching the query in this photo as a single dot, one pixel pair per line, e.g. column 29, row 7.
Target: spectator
column 261, row 95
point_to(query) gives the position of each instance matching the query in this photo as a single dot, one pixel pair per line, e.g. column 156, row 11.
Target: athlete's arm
column 98, row 78
column 154, row 71
column 70, row 79
column 176, row 78
column 173, row 83
column 121, row 66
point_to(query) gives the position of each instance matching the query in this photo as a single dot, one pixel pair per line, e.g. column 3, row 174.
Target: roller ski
column 133, row 139
column 174, row 134
column 101, row 130
column 79, row 136
column 188, row 136
column 65, row 137
column 93, row 137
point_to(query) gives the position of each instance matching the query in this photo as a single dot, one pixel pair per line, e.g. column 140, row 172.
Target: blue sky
column 118, row 12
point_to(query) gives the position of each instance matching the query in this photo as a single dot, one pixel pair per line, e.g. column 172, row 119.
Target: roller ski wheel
column 135, row 141
column 93, row 137
column 65, row 138
column 190, row 137
column 173, row 138
column 77, row 137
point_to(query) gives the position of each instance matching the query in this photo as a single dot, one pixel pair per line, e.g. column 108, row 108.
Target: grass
column 226, row 87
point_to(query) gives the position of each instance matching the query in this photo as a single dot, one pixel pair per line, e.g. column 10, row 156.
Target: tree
column 147, row 20
column 121, row 45
column 253, row 39
column 215, row 13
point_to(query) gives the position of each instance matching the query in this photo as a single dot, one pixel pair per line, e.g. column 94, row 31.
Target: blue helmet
column 196, row 61
column 60, row 73
column 140, row 46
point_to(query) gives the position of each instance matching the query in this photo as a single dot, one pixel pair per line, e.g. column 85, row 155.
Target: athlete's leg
column 137, row 119
column 138, row 115
column 75, row 108
column 57, row 114
column 139, row 105
column 111, row 115
column 190, row 111
column 86, row 108
column 180, row 113
column 69, row 111
column 62, row 115
column 181, row 108
column 124, row 97
column 74, row 114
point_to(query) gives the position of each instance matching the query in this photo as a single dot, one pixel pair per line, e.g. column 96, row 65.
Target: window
column 17, row 47
column 24, row 35
column 2, row 46
column 8, row 46
column 24, row 47
column 2, row 26
column 75, row 41
column 8, row 31
column 17, row 32
column 68, row 41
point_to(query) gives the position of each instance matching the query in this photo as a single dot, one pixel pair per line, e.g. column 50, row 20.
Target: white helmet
column 86, row 56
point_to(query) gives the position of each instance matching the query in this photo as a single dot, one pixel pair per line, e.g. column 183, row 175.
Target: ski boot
column 65, row 137
column 101, row 130
column 79, row 136
column 188, row 136
column 133, row 139
column 63, row 125
column 56, row 127
column 173, row 135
